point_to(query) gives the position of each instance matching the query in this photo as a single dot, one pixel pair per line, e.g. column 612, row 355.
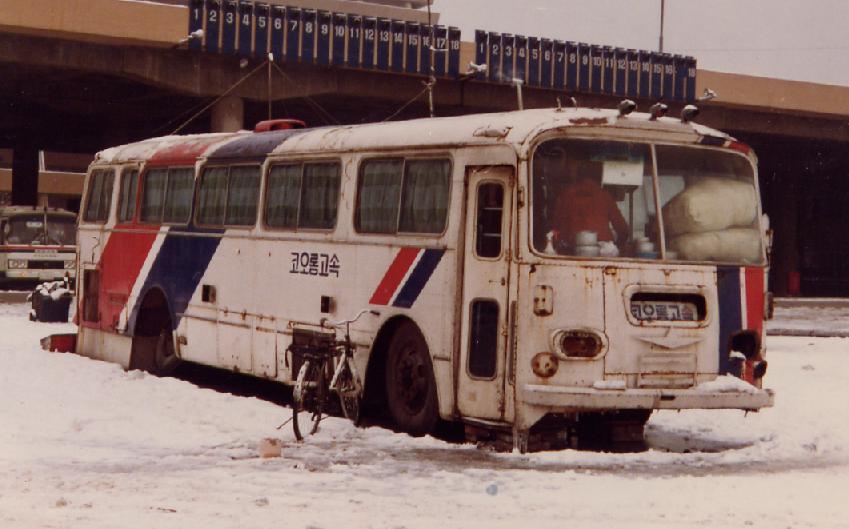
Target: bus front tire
column 410, row 384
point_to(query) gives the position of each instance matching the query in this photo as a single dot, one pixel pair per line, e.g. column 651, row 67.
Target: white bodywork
column 261, row 288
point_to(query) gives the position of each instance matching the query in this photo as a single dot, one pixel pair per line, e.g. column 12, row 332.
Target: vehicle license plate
column 646, row 310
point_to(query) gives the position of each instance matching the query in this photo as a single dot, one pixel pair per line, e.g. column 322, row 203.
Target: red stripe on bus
column 120, row 265
column 184, row 152
column 754, row 298
column 397, row 270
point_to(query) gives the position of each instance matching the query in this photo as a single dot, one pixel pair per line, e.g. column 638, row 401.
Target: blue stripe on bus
column 179, row 266
column 418, row 279
column 253, row 146
column 730, row 311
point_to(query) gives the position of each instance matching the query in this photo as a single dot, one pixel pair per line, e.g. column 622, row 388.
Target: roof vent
column 658, row 110
column 689, row 113
column 279, row 124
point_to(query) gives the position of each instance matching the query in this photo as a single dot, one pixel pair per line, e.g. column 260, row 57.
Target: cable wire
column 219, row 98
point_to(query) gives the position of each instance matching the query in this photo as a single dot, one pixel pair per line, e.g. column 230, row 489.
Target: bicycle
column 318, row 349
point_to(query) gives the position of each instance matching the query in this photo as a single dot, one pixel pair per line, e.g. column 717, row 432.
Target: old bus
column 36, row 244
column 493, row 310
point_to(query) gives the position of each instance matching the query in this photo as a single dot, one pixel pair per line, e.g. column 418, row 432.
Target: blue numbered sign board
column 340, row 29
column 212, row 16
column 582, row 67
column 323, row 37
column 195, row 23
column 229, row 20
column 278, row 31
column 253, row 29
column 246, row 15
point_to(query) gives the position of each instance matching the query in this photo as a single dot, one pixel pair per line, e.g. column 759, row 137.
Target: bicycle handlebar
column 341, row 323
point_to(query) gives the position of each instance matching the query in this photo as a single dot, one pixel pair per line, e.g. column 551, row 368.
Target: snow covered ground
column 810, row 317
column 84, row 444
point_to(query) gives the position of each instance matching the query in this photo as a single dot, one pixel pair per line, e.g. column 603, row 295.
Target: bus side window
column 403, row 196
column 229, row 196
column 99, row 197
column 484, row 338
column 489, row 219
column 242, row 195
column 129, row 188
column 303, row 196
column 178, row 196
column 153, row 195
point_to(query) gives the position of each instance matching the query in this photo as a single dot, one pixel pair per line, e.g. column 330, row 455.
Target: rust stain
column 588, row 121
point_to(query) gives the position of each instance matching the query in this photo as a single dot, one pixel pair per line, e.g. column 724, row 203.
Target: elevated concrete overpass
column 80, row 75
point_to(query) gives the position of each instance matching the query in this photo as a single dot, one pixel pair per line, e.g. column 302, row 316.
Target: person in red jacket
column 583, row 205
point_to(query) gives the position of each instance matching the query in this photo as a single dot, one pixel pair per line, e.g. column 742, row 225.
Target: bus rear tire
column 153, row 340
column 410, row 384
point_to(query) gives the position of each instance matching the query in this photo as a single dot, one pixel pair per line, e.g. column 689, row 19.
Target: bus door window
column 91, row 287
column 483, row 349
column 99, row 197
column 489, row 220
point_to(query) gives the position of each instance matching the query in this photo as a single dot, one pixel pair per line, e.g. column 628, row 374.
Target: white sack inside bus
column 597, row 199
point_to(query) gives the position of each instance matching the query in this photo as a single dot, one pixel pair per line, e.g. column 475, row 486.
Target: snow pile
column 55, row 290
column 726, row 384
column 84, row 444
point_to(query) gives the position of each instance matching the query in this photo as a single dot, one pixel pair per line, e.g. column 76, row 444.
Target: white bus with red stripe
column 492, row 311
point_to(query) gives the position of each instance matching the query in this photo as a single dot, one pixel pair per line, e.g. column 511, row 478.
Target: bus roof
column 513, row 128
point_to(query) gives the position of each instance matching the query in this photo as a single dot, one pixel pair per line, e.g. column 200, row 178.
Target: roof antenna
column 559, row 105
column 270, row 63
column 431, row 82
column 519, row 83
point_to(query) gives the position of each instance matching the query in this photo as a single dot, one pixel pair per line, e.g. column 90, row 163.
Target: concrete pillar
column 24, row 173
column 228, row 115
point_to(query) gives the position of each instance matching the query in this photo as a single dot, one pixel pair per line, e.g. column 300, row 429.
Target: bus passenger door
column 483, row 346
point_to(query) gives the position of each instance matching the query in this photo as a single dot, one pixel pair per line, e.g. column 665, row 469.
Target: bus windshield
column 41, row 229
column 594, row 198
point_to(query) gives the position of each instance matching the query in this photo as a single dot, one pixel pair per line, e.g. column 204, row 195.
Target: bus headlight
column 17, row 263
column 69, row 265
column 578, row 343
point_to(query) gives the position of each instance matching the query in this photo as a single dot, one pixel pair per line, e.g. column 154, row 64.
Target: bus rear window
column 99, row 197
column 403, row 196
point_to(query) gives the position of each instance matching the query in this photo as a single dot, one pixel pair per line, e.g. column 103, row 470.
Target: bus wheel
column 153, row 340
column 154, row 354
column 410, row 385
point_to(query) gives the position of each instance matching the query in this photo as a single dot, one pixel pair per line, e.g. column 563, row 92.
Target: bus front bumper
column 568, row 398
column 51, row 274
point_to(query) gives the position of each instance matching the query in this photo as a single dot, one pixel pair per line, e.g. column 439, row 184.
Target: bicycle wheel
column 308, row 397
column 349, row 397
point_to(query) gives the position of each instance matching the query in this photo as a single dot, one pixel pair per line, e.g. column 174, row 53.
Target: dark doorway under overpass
column 805, row 190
